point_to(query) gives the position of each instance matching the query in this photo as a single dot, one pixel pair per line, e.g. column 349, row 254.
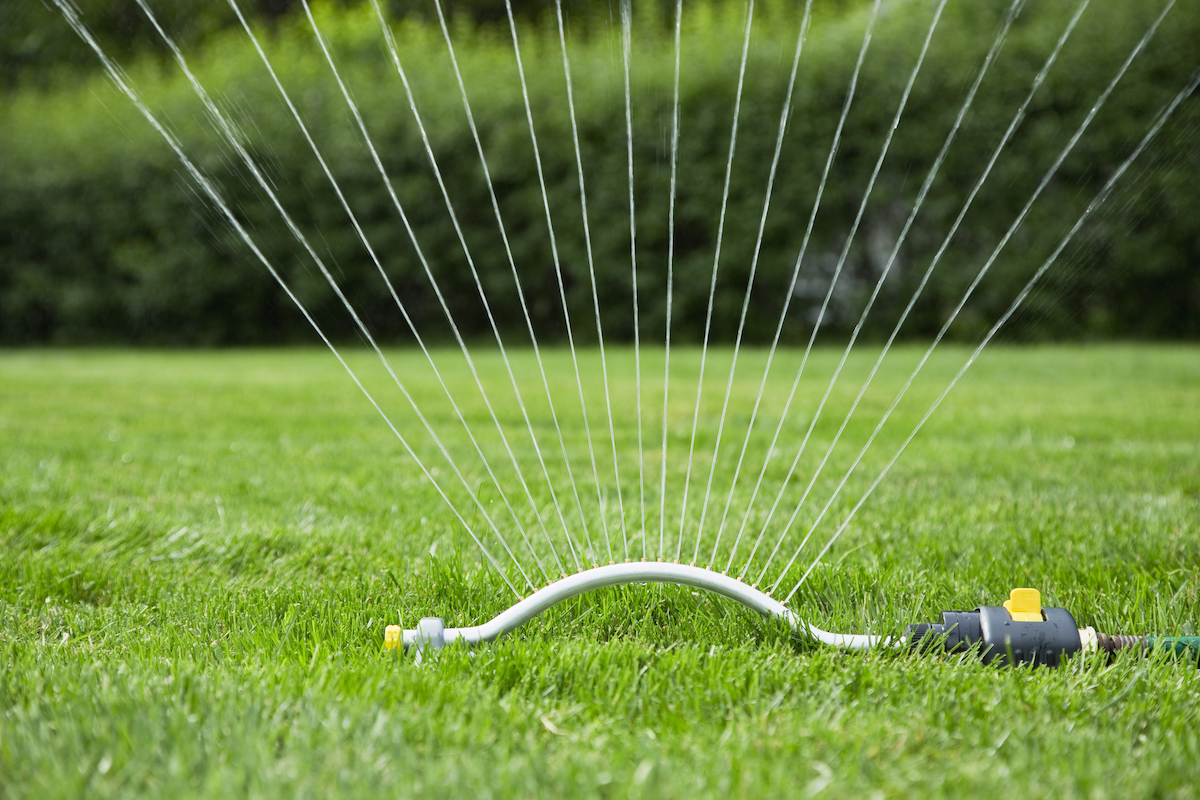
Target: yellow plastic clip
column 392, row 637
column 1025, row 605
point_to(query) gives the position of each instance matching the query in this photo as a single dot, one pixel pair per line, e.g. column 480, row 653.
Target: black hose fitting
column 1023, row 632
column 1018, row 632
column 1046, row 642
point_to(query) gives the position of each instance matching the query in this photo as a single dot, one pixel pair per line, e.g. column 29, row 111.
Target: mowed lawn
column 199, row 553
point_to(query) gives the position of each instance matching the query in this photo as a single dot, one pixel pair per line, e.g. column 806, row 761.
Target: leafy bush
column 103, row 239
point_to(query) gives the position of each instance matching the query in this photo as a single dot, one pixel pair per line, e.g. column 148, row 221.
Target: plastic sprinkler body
column 1018, row 632
column 1022, row 631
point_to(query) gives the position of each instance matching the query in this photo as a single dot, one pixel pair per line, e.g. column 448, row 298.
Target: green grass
column 199, row 552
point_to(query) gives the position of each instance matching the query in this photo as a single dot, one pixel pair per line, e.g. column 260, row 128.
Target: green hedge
column 102, row 238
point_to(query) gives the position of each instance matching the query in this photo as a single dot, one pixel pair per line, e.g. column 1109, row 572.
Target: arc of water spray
column 626, row 45
column 214, row 196
column 1050, row 173
column 784, row 115
column 379, row 266
column 537, row 352
column 862, row 209
column 1156, row 126
column 395, row 54
column 712, row 288
column 232, row 137
column 837, row 138
column 662, row 491
column 562, row 291
column 1009, row 17
column 587, row 239
column 231, row 134
column 1013, row 124
column 908, row 223
column 354, row 110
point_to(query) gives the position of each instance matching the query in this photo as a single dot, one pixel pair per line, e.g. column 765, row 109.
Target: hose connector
column 1019, row 632
column 1023, row 632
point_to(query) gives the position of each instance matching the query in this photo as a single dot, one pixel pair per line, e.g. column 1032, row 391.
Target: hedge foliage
column 103, row 239
column 34, row 52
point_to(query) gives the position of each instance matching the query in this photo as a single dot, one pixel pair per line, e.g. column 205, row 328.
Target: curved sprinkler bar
column 432, row 634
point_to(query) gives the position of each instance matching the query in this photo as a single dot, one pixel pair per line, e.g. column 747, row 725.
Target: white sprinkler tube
column 432, row 634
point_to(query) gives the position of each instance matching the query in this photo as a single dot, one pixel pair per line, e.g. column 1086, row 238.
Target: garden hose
column 1021, row 631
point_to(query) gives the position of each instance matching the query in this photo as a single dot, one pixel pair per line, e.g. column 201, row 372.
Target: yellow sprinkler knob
column 1025, row 605
column 393, row 637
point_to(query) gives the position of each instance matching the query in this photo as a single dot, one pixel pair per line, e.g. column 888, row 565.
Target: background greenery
column 200, row 553
column 33, row 49
column 102, row 239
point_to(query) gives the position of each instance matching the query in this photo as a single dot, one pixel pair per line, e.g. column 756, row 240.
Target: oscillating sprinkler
column 1021, row 631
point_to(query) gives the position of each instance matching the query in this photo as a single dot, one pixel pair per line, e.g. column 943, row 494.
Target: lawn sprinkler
column 1021, row 631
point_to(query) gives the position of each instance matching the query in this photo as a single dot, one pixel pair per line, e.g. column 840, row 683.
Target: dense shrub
column 33, row 50
column 102, row 238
